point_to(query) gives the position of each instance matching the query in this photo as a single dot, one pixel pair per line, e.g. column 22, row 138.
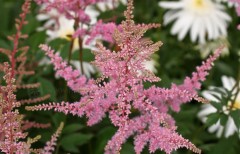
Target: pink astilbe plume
column 84, row 31
column 137, row 112
column 72, row 9
column 76, row 10
column 50, row 145
column 11, row 133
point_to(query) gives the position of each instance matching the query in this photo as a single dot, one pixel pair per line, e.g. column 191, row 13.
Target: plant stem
column 80, row 42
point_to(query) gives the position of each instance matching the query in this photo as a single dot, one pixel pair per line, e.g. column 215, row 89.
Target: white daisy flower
column 58, row 26
column 204, row 19
column 110, row 4
column 230, row 128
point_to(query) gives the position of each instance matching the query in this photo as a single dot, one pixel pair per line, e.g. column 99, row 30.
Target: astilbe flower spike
column 10, row 119
column 49, row 148
column 84, row 31
column 121, row 94
column 18, row 61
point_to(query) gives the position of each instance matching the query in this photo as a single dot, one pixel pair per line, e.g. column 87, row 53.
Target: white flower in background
column 110, row 4
column 204, row 19
column 230, row 128
column 63, row 28
column 151, row 65
column 207, row 48
column 58, row 26
column 88, row 68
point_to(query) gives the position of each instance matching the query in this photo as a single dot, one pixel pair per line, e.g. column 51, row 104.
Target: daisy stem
column 77, row 25
column 69, row 59
column 70, row 50
column 80, row 42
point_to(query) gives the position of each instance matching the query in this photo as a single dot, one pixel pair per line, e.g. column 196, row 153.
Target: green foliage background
column 176, row 60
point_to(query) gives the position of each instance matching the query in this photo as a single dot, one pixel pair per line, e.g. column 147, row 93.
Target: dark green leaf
column 71, row 142
column 72, row 128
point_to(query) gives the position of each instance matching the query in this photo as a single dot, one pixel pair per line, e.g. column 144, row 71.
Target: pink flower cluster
column 72, row 9
column 76, row 10
column 136, row 111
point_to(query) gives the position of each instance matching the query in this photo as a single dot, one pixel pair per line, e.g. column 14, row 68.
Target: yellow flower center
column 198, row 3
column 236, row 104
column 199, row 6
column 68, row 36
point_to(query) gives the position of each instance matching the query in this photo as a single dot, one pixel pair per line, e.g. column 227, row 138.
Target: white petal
column 230, row 127
column 214, row 127
column 42, row 17
column 206, row 110
column 195, row 29
column 186, row 27
column 228, row 82
column 209, row 95
column 171, row 5
column 220, row 131
column 170, row 16
column 202, row 34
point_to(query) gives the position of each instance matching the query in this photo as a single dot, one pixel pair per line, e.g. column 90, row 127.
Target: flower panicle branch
column 123, row 92
column 32, row 124
column 50, row 145
column 11, row 132
column 18, row 61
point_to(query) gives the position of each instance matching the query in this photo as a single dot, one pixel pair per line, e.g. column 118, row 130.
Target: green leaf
column 57, row 118
column 217, row 105
column 236, row 117
column 72, row 128
column 223, row 119
column 88, row 56
column 212, row 119
column 35, row 40
column 57, row 44
column 102, row 138
column 71, row 142
column 64, row 52
column 225, row 146
column 47, row 88
column 127, row 149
